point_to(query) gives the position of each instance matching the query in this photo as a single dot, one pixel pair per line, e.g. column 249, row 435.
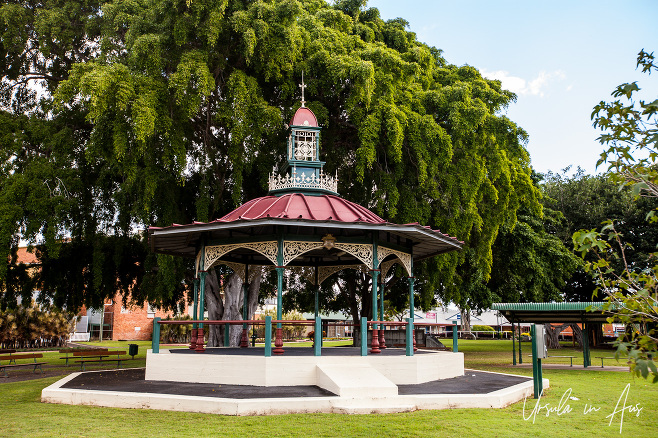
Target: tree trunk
column 577, row 334
column 466, row 323
column 215, row 309
column 552, row 335
column 254, row 289
column 233, row 297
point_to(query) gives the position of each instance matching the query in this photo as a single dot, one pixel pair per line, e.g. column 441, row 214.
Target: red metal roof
column 304, row 117
column 299, row 206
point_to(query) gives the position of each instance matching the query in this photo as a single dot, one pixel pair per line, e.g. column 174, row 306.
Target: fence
column 198, row 340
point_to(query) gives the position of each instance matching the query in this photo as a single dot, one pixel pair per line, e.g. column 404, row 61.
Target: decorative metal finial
column 302, row 86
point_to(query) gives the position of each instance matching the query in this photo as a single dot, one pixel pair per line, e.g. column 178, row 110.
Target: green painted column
column 410, row 337
column 268, row 336
column 520, row 354
column 537, row 377
column 202, row 297
column 381, row 298
column 364, row 336
column 586, row 358
column 155, row 337
column 279, row 295
column 317, row 337
column 317, row 292
column 513, row 344
column 375, row 277
column 195, row 311
column 411, row 298
column 375, row 316
column 455, row 337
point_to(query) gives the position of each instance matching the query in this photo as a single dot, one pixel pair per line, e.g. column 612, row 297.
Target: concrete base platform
column 129, row 389
column 298, row 366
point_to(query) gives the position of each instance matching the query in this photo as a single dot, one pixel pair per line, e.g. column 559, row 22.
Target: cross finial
column 302, row 86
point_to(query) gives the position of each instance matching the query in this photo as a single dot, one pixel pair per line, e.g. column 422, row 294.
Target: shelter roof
column 553, row 312
column 304, row 218
column 300, row 206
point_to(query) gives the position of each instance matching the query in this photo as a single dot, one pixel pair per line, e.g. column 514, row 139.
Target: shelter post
column 374, row 272
column 268, row 336
column 278, row 339
column 410, row 335
column 513, row 346
column 200, row 337
column 455, row 345
column 317, row 292
column 382, row 339
column 586, row 361
column 364, row 336
column 317, row 338
column 374, row 343
column 520, row 356
column 155, row 338
column 194, row 313
column 411, row 308
column 244, row 342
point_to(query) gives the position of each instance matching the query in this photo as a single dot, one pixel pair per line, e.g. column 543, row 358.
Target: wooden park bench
column 73, row 351
column 604, row 357
column 13, row 357
column 98, row 356
column 9, row 352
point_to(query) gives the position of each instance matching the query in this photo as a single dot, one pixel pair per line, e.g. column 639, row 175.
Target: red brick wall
column 134, row 325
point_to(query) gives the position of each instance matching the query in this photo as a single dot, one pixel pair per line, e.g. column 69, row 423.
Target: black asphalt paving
column 132, row 380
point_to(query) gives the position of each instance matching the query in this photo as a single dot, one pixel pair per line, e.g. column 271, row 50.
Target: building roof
column 553, row 312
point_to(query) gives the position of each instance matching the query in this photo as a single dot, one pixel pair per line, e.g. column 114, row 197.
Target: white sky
column 560, row 57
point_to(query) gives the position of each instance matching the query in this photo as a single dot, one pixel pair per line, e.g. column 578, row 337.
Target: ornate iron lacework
column 293, row 249
column 325, row 182
column 361, row 251
column 386, row 266
column 327, row 271
column 213, row 253
column 196, row 264
column 405, row 259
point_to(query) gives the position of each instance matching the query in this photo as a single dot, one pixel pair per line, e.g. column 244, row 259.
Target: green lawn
column 20, row 407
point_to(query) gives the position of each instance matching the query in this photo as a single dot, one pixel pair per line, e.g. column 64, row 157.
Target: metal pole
column 520, row 356
column 268, row 336
column 364, row 336
column 455, row 346
column 155, row 337
column 317, row 338
column 513, row 344
column 410, row 341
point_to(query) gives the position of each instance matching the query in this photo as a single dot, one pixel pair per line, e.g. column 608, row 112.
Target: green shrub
column 483, row 328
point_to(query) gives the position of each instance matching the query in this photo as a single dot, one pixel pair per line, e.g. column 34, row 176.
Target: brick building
column 132, row 323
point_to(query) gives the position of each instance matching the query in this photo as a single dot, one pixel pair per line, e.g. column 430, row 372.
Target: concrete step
column 354, row 381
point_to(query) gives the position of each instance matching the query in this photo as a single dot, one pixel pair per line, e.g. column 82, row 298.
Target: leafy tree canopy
column 172, row 111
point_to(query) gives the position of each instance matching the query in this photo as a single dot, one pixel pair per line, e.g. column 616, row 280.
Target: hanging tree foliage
column 179, row 111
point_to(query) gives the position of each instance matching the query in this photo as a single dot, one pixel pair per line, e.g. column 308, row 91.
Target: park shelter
column 302, row 226
column 584, row 313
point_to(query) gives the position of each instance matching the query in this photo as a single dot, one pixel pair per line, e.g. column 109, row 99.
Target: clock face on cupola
column 303, row 172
